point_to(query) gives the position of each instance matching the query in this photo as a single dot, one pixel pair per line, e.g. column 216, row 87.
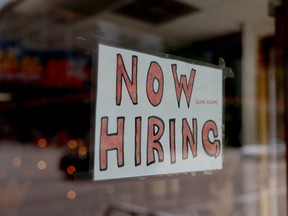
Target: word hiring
column 155, row 125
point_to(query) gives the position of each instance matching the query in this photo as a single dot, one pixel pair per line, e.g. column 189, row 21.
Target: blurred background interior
column 46, row 80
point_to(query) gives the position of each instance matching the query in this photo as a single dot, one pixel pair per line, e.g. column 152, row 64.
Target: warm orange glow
column 42, row 143
column 17, row 161
column 71, row 194
column 71, row 169
column 41, row 165
column 72, row 144
column 82, row 152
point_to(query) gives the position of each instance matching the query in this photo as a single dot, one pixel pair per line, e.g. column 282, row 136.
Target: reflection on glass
column 82, row 152
column 71, row 195
column 71, row 169
column 45, row 111
column 42, row 143
column 72, row 144
column 41, row 165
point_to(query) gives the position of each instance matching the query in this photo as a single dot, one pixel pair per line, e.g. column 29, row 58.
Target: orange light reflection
column 71, row 195
column 41, row 165
column 42, row 143
column 72, row 144
column 82, row 152
column 70, row 170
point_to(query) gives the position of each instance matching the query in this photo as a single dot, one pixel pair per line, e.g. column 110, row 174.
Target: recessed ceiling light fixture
column 155, row 11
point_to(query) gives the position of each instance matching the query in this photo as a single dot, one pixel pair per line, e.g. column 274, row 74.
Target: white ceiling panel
column 200, row 25
column 214, row 18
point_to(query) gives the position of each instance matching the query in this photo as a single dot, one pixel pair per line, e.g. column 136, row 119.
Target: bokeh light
column 71, row 194
column 42, row 143
column 71, row 169
column 82, row 152
column 17, row 161
column 41, row 165
column 72, row 144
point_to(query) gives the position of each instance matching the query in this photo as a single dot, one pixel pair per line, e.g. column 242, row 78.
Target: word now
column 155, row 130
column 155, row 73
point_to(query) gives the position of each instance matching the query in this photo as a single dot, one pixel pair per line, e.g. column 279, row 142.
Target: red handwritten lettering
column 155, row 73
column 155, row 132
column 189, row 138
column 110, row 142
column 182, row 85
column 131, row 85
column 211, row 148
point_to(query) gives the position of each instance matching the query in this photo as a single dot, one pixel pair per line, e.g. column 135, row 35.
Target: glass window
column 48, row 71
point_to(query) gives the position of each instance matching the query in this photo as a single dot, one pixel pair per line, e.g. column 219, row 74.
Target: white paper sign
column 155, row 115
